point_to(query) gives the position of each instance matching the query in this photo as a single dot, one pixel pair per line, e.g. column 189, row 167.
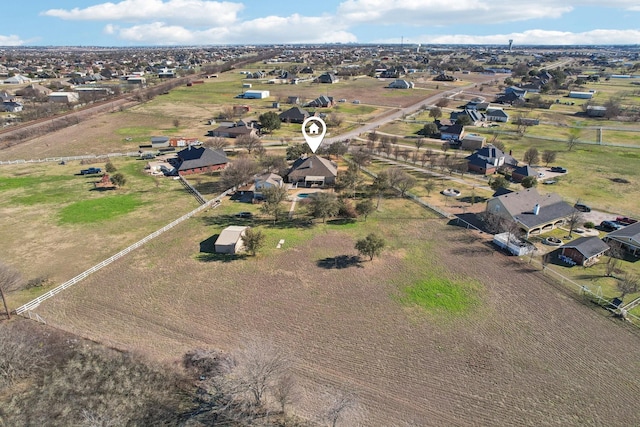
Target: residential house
column 453, row 132
column 510, row 99
column 585, row 251
column 312, row 171
column 476, row 105
column 194, row 160
column 475, row 116
column 401, row 84
column 534, row 213
column 323, row 101
column 11, row 106
column 472, row 141
column 497, row 115
column 487, row 160
column 522, row 92
column 293, row 100
column 233, row 131
column 230, row 240
column 264, row 181
column 522, row 172
column 327, row 78
column 294, row 115
column 18, row 79
column 627, row 237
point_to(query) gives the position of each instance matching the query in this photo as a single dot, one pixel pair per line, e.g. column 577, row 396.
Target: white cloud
column 270, row 29
column 185, row 12
column 447, row 12
column 536, row 37
column 11, row 40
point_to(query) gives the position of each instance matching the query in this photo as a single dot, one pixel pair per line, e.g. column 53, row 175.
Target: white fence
column 36, row 302
column 69, row 158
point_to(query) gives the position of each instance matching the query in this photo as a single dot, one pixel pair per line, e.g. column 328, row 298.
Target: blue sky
column 204, row 22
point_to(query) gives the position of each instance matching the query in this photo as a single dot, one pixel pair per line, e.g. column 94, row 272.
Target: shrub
column 589, row 224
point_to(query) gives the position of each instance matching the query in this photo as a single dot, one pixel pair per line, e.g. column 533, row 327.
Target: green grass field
column 96, row 210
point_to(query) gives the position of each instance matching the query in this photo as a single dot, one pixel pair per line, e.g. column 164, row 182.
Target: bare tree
column 217, row 143
column 615, row 254
column 248, row 142
column 548, row 156
column 419, row 143
column 20, row 357
column 343, row 406
column 573, row 220
column 531, row 156
column 628, row 284
column 10, row 280
column 285, row 390
column 238, row 172
column 260, row 367
column 573, row 137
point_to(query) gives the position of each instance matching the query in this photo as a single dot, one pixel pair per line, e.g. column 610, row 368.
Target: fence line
column 191, row 189
column 36, row 302
column 69, row 158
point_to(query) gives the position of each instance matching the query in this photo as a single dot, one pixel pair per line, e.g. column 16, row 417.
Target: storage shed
column 230, row 240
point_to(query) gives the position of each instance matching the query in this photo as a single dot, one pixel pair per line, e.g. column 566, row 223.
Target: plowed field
column 528, row 354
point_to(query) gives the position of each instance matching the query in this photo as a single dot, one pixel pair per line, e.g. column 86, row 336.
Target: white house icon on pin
column 314, row 129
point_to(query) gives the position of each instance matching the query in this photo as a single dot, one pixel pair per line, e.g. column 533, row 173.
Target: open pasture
column 519, row 349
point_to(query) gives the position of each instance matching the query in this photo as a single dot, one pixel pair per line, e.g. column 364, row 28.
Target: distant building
column 596, row 111
column 401, row 84
column 255, row 94
column 200, row 160
column 580, row 95
column 64, row 97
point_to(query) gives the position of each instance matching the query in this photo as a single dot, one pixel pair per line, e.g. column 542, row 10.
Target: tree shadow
column 340, row 261
column 477, row 199
column 341, row 221
column 231, row 219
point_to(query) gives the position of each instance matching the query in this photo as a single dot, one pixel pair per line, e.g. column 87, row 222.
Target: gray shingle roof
column 520, row 206
column 588, row 246
column 193, row 158
column 629, row 232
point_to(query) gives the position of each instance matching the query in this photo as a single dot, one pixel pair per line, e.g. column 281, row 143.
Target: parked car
column 625, row 220
column 582, row 207
column 90, row 171
column 244, row 215
column 558, row 169
column 610, row 225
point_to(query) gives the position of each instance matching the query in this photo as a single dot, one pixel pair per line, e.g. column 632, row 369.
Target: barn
column 230, row 240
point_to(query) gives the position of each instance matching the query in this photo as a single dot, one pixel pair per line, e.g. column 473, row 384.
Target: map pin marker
column 316, row 132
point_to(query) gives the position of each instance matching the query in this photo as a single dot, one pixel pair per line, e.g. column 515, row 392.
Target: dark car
column 244, row 215
column 582, row 207
column 625, row 220
column 90, row 171
column 610, row 226
column 558, row 169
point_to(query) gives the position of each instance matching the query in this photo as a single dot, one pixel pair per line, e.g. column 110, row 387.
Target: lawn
column 97, row 210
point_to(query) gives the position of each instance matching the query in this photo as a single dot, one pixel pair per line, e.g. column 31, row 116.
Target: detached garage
column 230, row 240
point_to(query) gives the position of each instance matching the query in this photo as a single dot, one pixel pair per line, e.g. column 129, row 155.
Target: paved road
column 401, row 112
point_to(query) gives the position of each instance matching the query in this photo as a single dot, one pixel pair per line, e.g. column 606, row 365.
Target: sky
column 204, row 22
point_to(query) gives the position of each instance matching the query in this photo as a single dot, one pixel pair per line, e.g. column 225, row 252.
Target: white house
column 230, row 240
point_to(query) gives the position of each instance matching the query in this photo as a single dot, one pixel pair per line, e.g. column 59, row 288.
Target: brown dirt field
column 528, row 355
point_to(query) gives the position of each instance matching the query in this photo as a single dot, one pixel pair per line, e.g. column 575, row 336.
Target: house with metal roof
column 534, row 213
